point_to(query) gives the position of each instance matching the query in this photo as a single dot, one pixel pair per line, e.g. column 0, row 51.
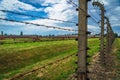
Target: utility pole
column 102, row 46
column 82, row 40
column 108, row 36
column 102, row 42
column 111, row 36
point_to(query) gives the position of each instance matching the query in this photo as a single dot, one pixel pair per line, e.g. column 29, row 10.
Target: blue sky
column 56, row 9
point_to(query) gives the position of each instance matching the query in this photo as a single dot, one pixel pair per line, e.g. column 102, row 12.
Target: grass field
column 21, row 57
column 28, row 40
column 116, row 47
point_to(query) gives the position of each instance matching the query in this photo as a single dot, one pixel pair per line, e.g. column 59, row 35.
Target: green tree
column 116, row 35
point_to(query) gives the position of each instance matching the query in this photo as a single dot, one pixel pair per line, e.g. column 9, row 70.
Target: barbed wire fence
column 101, row 69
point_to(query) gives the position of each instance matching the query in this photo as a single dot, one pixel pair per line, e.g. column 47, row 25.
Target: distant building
column 1, row 33
column 97, row 35
column 21, row 33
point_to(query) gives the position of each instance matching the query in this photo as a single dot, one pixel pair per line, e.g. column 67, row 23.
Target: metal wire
column 7, row 11
column 54, row 27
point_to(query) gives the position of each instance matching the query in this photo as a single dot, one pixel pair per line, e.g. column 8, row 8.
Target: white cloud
column 117, row 8
column 48, row 23
column 43, row 21
column 116, row 24
column 51, row 1
column 60, row 10
column 26, row 27
column 93, row 10
column 93, row 29
column 113, row 18
column 2, row 15
column 117, row 11
column 106, row 2
column 15, row 5
column 29, row 27
column 2, row 22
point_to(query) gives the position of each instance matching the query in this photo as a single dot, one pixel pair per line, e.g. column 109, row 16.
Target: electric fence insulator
column 99, row 50
column 76, row 62
column 76, row 54
column 87, row 79
column 76, row 76
column 88, row 56
column 77, row 9
column 104, row 63
column 87, row 71
column 88, row 0
column 76, row 69
column 87, row 48
column 88, row 32
column 76, row 24
column 87, row 63
column 76, row 39
column 88, row 16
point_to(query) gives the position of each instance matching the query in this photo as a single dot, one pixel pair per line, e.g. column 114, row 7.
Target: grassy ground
column 117, row 48
column 25, row 40
column 117, row 54
column 20, row 57
column 58, row 71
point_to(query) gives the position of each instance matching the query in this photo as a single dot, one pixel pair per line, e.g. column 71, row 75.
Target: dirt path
column 98, row 72
column 105, row 72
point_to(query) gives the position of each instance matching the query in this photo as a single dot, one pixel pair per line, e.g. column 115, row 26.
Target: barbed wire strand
column 54, row 27
column 7, row 11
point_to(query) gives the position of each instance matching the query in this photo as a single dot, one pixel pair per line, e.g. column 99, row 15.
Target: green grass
column 117, row 47
column 60, row 71
column 20, row 57
column 93, row 44
column 16, row 40
column 17, row 56
column 64, row 69
column 24, row 40
column 116, row 52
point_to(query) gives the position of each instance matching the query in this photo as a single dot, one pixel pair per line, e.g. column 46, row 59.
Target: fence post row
column 82, row 39
column 102, row 45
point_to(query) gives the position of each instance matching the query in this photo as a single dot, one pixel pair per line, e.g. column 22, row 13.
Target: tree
column 5, row 34
column 116, row 35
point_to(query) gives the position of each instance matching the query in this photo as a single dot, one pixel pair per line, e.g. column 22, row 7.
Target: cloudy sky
column 54, row 9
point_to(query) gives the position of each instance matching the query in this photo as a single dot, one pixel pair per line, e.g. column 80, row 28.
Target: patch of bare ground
column 108, row 71
column 102, row 72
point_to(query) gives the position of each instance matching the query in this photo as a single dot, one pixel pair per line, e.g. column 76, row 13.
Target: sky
column 54, row 9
